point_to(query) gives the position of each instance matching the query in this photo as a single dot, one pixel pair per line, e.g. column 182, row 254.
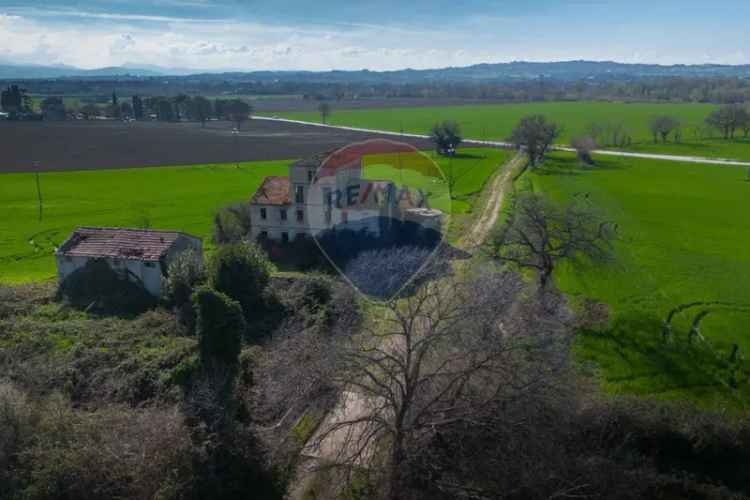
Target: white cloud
column 91, row 40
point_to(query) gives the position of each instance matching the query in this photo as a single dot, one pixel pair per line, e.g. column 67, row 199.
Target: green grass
column 685, row 237
column 496, row 121
column 180, row 198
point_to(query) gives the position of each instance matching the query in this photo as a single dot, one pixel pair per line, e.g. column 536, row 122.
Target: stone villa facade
column 314, row 199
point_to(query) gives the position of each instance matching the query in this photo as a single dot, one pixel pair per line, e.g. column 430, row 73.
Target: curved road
column 501, row 144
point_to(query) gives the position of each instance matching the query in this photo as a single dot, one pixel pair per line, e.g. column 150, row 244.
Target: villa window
column 344, row 217
column 264, row 235
column 285, row 237
column 300, row 215
column 263, row 214
column 299, row 194
column 282, row 213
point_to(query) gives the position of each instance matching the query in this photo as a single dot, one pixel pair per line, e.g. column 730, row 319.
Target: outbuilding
column 143, row 254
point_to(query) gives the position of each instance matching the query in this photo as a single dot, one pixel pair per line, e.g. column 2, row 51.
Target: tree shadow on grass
column 573, row 166
column 634, row 354
column 467, row 156
column 559, row 166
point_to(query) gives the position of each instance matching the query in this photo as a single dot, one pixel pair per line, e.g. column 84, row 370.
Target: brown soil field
column 87, row 145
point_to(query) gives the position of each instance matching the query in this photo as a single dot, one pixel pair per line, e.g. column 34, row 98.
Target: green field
column 180, row 198
column 70, row 102
column 684, row 237
column 496, row 121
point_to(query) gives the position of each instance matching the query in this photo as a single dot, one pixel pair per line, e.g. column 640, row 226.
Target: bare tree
column 542, row 234
column 663, row 126
column 584, row 145
column 325, row 111
column 535, row 135
column 743, row 121
column 609, row 133
column 448, row 353
column 727, row 119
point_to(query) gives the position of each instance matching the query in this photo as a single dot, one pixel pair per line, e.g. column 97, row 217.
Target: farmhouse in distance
column 320, row 195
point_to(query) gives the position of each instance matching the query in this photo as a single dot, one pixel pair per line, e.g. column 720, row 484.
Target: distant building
column 143, row 254
column 283, row 208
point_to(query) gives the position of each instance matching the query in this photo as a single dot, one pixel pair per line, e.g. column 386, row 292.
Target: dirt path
column 501, row 184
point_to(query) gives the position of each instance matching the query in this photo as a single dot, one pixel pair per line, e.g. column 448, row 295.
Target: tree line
column 721, row 90
column 17, row 103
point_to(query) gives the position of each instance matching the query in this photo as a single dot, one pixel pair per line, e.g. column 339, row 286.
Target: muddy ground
column 97, row 144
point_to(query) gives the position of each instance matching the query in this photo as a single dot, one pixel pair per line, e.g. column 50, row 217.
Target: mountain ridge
column 515, row 70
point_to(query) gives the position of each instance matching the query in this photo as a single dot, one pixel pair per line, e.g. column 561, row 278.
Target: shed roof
column 120, row 243
column 273, row 191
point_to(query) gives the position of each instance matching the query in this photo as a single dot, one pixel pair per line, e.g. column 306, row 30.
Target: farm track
column 479, row 232
column 502, row 144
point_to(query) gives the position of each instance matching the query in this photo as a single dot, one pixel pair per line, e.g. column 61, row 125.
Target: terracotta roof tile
column 273, row 191
column 121, row 243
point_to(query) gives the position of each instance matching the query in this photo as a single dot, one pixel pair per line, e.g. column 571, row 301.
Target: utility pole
column 235, row 133
column 38, row 189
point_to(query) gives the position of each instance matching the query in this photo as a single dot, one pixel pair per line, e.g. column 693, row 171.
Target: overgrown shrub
column 23, row 299
column 98, row 288
column 308, row 295
column 232, row 224
column 93, row 359
column 220, row 326
column 233, row 465
column 241, row 271
column 301, row 254
column 16, row 428
column 618, row 448
column 49, row 450
column 185, row 273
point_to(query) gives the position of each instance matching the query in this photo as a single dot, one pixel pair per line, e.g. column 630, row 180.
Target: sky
column 247, row 35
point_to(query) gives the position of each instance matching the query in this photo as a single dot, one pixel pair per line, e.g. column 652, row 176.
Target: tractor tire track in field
column 502, row 144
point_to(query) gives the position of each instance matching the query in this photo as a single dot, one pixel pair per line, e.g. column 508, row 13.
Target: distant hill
column 519, row 70
column 567, row 70
column 30, row 72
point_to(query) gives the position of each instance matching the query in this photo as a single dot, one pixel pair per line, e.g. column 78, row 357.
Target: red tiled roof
column 121, row 243
column 273, row 191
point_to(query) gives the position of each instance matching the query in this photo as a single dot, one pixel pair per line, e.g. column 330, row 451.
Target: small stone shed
column 143, row 253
